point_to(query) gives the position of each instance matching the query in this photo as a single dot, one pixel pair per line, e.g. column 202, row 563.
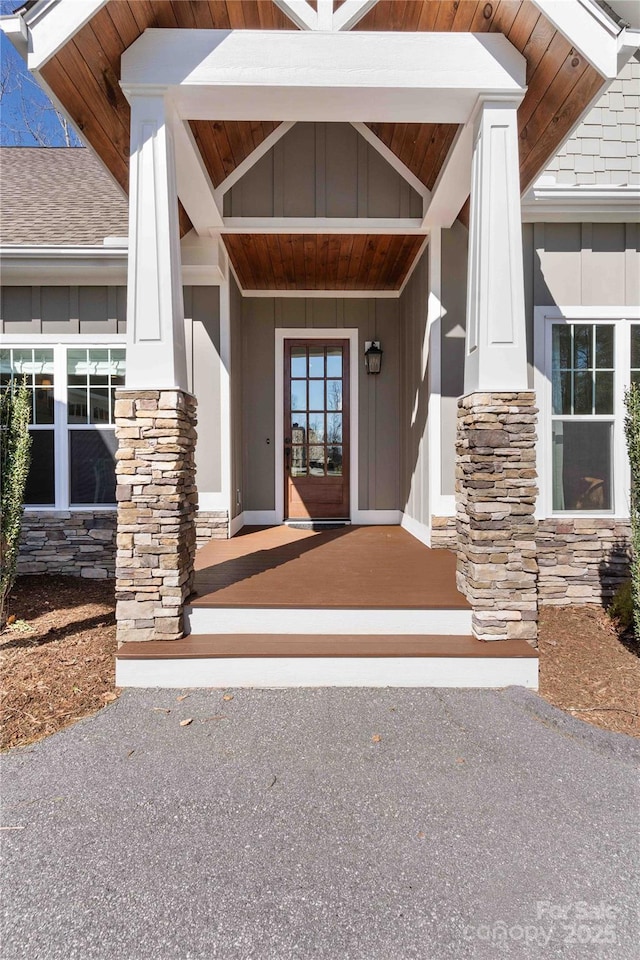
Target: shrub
column 632, row 433
column 621, row 607
column 15, row 445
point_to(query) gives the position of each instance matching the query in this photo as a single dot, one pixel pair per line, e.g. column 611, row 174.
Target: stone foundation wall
column 157, row 499
column 444, row 533
column 582, row 559
column 77, row 543
column 211, row 525
column 496, row 489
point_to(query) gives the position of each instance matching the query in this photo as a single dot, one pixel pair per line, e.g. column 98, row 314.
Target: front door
column 316, row 429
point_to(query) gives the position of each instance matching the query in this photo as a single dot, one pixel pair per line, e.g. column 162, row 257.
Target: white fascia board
column 312, row 225
column 585, row 203
column 586, row 27
column 195, row 189
column 51, row 25
column 14, row 28
column 307, row 75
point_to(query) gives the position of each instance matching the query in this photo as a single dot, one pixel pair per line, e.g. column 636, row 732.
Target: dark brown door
column 316, row 429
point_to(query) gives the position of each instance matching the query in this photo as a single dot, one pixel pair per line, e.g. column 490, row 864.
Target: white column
column 155, row 311
column 496, row 351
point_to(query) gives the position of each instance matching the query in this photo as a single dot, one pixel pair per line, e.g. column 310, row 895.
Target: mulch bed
column 58, row 660
column 57, row 657
column 590, row 669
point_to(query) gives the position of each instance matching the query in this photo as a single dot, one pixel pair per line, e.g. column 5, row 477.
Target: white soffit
column 306, row 75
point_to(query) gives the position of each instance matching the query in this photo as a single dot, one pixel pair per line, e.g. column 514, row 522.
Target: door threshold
column 317, row 525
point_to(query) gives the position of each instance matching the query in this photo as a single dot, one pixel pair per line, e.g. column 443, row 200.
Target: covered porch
column 349, row 606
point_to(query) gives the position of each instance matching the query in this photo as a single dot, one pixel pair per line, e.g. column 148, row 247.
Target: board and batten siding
column 237, row 423
column 378, row 410
column 88, row 311
column 565, row 264
column 414, row 396
column 322, row 170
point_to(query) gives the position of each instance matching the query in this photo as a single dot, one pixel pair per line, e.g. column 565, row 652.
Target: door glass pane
column 316, row 395
column 299, row 428
column 334, row 428
column 581, row 465
column 316, row 461
column 334, row 394
column 298, row 395
column 334, row 461
column 298, row 362
column 316, row 428
column 316, row 361
column 334, row 361
column 298, row 461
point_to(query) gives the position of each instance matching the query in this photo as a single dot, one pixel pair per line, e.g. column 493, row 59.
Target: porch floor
column 351, row 567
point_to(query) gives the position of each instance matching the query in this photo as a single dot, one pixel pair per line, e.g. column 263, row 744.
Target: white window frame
column 59, row 344
column 622, row 318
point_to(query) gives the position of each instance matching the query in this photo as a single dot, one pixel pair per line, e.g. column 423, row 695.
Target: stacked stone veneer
column 444, row 533
column 496, row 490
column 74, row 543
column 211, row 525
column 157, row 503
column 582, row 559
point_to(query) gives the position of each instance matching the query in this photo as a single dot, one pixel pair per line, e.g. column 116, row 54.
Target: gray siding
column 414, row 396
column 378, row 449
column 322, row 170
column 202, row 331
column 452, row 333
column 583, row 264
column 56, row 310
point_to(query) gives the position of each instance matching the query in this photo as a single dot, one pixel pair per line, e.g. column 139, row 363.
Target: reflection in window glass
column 92, row 466
column 40, row 488
column 298, row 362
column 334, row 361
column 316, row 362
column 582, row 465
column 92, row 377
column 316, row 394
column 635, row 353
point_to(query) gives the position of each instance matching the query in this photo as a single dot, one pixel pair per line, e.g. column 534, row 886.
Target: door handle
column 287, row 450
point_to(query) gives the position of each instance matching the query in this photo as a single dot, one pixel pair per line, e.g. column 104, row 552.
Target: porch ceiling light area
column 339, row 262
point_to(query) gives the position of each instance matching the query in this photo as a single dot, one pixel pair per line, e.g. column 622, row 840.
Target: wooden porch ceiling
column 321, row 261
column 84, row 76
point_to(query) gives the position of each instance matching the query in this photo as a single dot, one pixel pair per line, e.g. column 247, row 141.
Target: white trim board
column 276, row 672
column 275, row 620
column 420, row 531
column 315, row 333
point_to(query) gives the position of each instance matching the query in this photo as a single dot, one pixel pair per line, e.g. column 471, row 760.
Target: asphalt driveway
column 328, row 824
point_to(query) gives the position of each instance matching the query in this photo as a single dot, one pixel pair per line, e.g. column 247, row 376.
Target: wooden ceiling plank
column 465, row 14
column 305, row 252
column 165, row 15
column 202, row 15
column 388, row 264
column 446, row 15
column 409, row 261
column 560, row 125
column 123, row 20
column 184, row 14
column 376, row 250
column 555, row 96
column 90, row 50
column 483, row 16
column 343, row 262
column 541, row 80
column 537, row 45
column 220, row 14
column 355, row 259
column 524, row 24
column 143, row 14
column 505, row 16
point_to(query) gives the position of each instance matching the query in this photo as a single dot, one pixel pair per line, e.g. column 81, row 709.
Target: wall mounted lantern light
column 373, row 356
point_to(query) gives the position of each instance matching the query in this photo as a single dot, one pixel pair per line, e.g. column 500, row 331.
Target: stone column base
column 496, row 489
column 157, row 503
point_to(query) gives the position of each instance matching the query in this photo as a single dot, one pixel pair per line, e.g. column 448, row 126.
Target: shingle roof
column 58, row 196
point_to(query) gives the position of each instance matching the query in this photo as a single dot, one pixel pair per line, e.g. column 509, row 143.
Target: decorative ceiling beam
column 351, row 12
column 313, row 225
column 251, row 160
column 394, row 161
column 307, row 75
column 299, row 12
column 194, row 186
column 453, row 184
